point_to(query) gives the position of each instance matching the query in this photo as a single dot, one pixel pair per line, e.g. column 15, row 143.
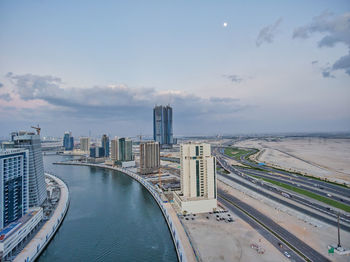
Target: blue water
column 111, row 218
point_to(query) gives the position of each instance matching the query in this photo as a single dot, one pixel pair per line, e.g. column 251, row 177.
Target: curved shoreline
column 181, row 254
column 40, row 241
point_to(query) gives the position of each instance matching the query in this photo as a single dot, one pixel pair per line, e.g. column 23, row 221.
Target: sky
column 226, row 67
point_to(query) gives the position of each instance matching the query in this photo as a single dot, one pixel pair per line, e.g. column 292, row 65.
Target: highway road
column 326, row 186
column 260, row 229
column 303, row 200
column 277, row 199
column 311, row 254
column 303, row 183
column 307, row 182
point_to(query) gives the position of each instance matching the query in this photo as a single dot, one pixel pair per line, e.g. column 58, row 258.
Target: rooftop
column 14, row 226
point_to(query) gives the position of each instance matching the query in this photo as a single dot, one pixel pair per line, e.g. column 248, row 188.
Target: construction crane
column 37, row 128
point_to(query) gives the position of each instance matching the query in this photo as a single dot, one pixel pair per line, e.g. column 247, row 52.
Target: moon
column 225, row 24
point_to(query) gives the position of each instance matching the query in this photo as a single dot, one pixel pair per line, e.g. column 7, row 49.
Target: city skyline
column 225, row 68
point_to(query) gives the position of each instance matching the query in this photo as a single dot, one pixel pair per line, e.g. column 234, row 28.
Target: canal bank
column 183, row 247
column 39, row 242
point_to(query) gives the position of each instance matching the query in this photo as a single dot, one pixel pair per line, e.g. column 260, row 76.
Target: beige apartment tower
column 115, row 149
column 198, row 179
column 85, row 144
column 149, row 157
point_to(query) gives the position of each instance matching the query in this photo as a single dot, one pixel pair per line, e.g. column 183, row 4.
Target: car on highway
column 286, row 254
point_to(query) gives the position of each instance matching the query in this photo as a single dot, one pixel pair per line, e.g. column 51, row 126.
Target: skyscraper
column 14, row 188
column 68, row 141
column 149, row 157
column 36, row 182
column 163, row 126
column 105, row 145
column 85, row 144
column 197, row 179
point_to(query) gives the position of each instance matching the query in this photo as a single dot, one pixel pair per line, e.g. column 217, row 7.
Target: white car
column 286, row 254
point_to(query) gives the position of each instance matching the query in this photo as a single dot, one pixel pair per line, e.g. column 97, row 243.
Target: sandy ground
column 224, row 241
column 316, row 237
column 321, row 157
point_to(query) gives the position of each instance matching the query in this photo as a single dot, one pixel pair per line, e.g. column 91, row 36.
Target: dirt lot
column 228, row 241
column 321, row 157
column 316, row 237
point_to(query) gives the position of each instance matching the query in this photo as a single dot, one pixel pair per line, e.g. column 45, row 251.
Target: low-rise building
column 15, row 233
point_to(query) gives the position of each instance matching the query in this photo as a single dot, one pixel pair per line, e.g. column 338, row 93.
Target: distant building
column 85, row 144
column 97, row 152
column 198, row 179
column 125, row 150
column 149, row 157
column 14, row 189
column 121, row 152
column 105, row 145
column 115, row 149
column 163, row 126
column 36, row 183
column 68, row 141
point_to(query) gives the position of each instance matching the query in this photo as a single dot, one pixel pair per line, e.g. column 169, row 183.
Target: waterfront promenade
column 34, row 248
column 182, row 244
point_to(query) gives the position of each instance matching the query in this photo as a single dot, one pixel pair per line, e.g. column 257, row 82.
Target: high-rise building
column 125, row 150
column 68, row 141
column 149, row 157
column 163, row 126
column 14, row 194
column 85, row 144
column 115, row 149
column 105, row 145
column 121, row 149
column 198, row 179
column 36, row 182
column 97, row 152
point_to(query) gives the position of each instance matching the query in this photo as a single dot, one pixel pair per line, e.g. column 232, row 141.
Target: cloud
column 234, row 78
column 1, row 85
column 336, row 30
column 5, row 97
column 343, row 63
column 327, row 74
column 116, row 102
column 267, row 34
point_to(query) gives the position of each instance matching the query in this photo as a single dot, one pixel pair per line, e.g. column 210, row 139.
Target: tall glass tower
column 36, row 182
column 68, row 141
column 163, row 125
column 105, row 145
